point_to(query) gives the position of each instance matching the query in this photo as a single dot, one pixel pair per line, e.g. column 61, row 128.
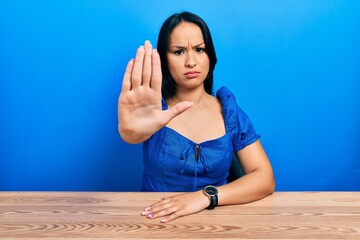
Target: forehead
column 186, row 32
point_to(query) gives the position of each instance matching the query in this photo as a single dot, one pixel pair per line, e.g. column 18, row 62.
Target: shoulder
column 223, row 91
column 224, row 94
column 235, row 118
column 226, row 98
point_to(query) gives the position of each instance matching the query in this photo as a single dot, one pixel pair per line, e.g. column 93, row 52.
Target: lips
column 192, row 74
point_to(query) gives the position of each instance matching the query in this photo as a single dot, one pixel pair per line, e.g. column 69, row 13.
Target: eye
column 200, row 50
column 179, row 52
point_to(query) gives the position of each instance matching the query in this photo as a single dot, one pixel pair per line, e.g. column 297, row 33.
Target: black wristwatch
column 211, row 191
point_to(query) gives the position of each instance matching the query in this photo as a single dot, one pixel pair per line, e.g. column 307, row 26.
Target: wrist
column 203, row 200
column 211, row 192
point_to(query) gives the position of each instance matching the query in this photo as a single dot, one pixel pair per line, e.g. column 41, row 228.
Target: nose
column 190, row 60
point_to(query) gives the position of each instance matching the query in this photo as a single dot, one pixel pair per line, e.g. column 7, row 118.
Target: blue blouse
column 174, row 163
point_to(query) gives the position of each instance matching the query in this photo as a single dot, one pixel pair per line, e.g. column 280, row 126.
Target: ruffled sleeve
column 237, row 122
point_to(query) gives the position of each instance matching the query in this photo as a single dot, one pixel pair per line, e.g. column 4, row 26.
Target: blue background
column 293, row 65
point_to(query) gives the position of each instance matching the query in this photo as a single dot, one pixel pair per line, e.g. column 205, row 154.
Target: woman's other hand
column 170, row 208
column 140, row 112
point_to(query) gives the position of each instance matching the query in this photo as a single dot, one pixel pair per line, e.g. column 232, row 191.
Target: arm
column 258, row 182
column 139, row 107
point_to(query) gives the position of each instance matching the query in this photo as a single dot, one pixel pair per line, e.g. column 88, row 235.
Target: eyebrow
column 181, row 46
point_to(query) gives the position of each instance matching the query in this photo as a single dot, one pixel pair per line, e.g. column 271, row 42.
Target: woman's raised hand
column 140, row 112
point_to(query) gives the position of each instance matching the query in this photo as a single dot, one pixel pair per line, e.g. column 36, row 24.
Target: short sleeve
column 237, row 122
column 246, row 133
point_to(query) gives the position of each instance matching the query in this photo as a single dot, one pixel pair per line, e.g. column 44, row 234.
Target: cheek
column 173, row 65
column 206, row 63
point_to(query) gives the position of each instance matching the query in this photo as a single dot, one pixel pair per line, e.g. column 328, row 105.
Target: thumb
column 177, row 109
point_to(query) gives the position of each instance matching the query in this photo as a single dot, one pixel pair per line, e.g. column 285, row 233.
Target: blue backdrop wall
column 293, row 65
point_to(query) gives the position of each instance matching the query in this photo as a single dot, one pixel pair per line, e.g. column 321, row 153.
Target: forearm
column 251, row 187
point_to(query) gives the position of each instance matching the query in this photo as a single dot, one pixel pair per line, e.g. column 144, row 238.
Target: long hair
column 168, row 84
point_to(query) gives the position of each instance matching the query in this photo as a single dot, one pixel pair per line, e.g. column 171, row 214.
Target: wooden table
column 101, row 215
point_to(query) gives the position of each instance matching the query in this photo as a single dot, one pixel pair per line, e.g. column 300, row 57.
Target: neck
column 197, row 96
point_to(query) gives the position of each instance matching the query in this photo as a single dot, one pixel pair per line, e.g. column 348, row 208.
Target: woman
column 189, row 135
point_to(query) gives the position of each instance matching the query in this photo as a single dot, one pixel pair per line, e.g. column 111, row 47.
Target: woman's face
column 187, row 58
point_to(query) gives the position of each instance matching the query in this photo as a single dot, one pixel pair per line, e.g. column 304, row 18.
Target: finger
column 160, row 203
column 171, row 217
column 136, row 76
column 161, row 212
column 156, row 75
column 163, row 203
column 153, row 206
column 147, row 64
column 126, row 83
column 176, row 110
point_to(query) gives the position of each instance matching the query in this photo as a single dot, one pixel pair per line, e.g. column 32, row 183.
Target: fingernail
column 150, row 215
column 147, row 209
column 147, row 41
column 163, row 220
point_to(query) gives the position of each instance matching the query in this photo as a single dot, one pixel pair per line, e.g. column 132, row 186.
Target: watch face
column 211, row 190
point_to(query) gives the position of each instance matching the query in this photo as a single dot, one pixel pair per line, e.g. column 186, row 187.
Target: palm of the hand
column 139, row 110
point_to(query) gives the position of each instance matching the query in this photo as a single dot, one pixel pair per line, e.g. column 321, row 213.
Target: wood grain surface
column 103, row 215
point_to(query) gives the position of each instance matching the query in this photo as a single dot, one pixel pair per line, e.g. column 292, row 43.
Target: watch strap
column 213, row 202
